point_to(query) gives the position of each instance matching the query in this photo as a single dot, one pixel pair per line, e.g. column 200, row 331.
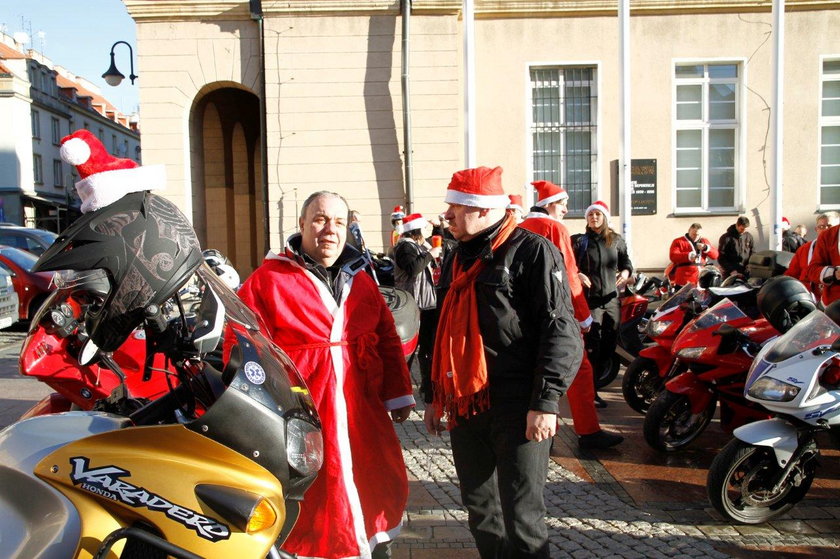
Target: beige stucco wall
column 334, row 108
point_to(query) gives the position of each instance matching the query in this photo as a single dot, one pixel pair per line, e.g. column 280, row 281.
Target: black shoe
column 599, row 439
column 599, row 403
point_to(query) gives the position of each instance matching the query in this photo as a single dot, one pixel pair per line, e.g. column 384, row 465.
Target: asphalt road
column 17, row 393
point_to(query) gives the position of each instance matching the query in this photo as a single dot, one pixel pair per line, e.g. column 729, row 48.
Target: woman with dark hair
column 413, row 261
column 605, row 268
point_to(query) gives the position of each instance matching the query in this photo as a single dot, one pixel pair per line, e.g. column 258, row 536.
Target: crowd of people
column 514, row 314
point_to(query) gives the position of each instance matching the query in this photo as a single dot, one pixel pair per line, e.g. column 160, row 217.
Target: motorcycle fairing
column 37, row 519
column 689, row 385
column 775, row 433
column 122, row 472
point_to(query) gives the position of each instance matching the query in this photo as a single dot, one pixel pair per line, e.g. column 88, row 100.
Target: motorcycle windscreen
column 724, row 311
column 815, row 330
column 266, row 412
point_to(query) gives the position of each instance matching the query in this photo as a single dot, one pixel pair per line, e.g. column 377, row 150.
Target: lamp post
column 114, row 77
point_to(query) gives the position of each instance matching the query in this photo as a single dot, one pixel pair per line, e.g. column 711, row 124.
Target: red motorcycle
column 718, row 348
column 638, row 303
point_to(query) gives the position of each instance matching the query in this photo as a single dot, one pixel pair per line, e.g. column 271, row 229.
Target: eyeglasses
column 823, row 226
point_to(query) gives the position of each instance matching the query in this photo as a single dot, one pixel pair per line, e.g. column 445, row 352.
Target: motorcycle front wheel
column 608, row 371
column 669, row 424
column 741, row 479
column 641, row 383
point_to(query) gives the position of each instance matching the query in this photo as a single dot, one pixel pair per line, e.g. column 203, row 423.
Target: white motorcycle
column 769, row 466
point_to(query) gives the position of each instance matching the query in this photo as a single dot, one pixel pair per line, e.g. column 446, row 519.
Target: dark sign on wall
column 643, row 182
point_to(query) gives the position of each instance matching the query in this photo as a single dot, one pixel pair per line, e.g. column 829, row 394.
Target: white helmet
column 228, row 275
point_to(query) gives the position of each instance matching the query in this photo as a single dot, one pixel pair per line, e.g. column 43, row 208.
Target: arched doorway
column 227, row 174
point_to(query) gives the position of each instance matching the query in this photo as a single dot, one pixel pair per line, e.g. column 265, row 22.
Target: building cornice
column 233, row 10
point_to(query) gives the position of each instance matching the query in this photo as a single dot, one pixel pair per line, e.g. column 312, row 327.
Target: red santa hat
column 548, row 192
column 105, row 178
column 480, row 188
column 398, row 213
column 785, row 224
column 515, row 202
column 413, row 221
column 600, row 207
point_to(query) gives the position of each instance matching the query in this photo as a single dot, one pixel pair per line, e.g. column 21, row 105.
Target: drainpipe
column 625, row 185
column 469, row 79
column 257, row 15
column 777, row 122
column 409, row 183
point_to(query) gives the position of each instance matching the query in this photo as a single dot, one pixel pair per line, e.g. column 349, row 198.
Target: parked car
column 31, row 287
column 29, row 239
column 8, row 300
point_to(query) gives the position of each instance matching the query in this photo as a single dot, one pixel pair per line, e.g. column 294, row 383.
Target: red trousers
column 581, row 395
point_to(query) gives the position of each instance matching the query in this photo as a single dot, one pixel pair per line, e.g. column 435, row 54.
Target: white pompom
column 75, row 151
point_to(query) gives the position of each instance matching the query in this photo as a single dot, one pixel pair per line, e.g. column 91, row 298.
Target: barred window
column 564, row 131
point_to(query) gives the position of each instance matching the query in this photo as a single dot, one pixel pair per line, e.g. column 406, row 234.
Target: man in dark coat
column 735, row 248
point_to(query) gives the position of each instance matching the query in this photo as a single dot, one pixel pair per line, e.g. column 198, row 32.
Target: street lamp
column 113, row 76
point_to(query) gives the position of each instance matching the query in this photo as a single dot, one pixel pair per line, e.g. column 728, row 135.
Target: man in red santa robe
column 329, row 316
column 545, row 219
column 688, row 254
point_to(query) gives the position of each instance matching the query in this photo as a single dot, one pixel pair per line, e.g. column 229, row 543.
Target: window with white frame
column 564, row 102
column 37, row 169
column 56, row 131
column 58, row 173
column 706, row 136
column 830, row 134
column 36, row 124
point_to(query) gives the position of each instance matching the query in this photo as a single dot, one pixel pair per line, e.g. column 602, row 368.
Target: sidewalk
column 596, row 511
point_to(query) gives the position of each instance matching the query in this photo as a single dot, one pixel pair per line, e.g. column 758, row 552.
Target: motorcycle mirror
column 210, row 322
column 835, row 345
column 88, row 353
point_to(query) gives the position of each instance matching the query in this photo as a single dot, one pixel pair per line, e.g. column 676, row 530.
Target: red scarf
column 459, row 368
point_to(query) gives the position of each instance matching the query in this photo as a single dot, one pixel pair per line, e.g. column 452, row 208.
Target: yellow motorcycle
column 214, row 468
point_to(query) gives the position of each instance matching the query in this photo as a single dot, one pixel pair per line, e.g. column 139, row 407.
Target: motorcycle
column 215, row 467
column 770, row 465
column 638, row 304
column 717, row 348
column 646, row 375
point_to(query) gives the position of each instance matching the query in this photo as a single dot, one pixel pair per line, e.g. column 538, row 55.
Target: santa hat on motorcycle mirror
column 413, row 222
column 548, row 192
column 105, row 178
column 599, row 206
column 784, row 301
column 480, row 187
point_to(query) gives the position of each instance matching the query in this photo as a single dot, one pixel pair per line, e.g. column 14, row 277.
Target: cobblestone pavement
column 585, row 518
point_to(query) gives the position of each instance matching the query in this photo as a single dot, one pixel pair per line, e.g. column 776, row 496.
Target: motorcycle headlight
column 304, row 446
column 656, row 328
column 773, row 390
column 690, row 352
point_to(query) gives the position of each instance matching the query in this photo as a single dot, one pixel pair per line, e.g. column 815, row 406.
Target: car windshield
column 814, row 330
column 20, row 257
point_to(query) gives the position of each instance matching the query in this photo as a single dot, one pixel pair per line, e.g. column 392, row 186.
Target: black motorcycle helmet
column 709, row 277
column 146, row 247
column 784, row 301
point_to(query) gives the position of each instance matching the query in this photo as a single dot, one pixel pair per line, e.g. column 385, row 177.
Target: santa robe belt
column 365, row 347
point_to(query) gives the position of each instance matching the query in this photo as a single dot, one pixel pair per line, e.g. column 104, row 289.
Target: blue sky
column 78, row 36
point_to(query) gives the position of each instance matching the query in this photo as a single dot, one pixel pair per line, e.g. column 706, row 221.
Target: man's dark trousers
column 502, row 477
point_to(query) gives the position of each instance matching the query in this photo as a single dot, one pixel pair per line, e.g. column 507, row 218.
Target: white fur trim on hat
column 476, row 200
column 101, row 189
column 417, row 223
column 75, row 151
column 553, row 198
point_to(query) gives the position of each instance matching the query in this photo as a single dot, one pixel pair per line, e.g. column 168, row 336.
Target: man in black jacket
column 735, row 248
column 507, row 348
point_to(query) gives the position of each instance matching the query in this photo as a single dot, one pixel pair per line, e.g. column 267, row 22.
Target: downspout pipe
column 777, row 123
column 257, row 15
column 408, row 153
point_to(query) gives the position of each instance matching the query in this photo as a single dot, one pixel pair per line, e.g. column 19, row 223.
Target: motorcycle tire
column 669, row 424
column 608, row 372
column 641, row 383
column 741, row 478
